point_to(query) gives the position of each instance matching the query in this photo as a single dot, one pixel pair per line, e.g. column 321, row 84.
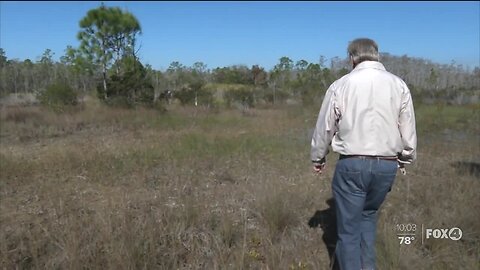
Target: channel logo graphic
column 454, row 234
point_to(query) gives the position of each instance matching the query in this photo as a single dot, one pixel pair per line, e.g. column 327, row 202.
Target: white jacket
column 366, row 112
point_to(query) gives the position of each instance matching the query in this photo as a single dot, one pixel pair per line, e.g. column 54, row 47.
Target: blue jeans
column 359, row 188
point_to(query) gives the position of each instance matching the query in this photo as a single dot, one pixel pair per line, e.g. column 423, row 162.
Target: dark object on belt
column 369, row 157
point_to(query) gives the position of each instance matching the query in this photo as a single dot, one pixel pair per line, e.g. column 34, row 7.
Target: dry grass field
column 105, row 188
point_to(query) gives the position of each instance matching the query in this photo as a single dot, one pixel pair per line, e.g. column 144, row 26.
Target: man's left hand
column 318, row 167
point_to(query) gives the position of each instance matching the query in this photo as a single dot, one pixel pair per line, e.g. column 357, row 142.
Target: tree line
column 106, row 62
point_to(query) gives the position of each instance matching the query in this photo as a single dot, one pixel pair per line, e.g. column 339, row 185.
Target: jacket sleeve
column 406, row 125
column 326, row 126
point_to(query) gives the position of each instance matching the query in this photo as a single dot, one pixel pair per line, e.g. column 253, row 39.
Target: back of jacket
column 366, row 112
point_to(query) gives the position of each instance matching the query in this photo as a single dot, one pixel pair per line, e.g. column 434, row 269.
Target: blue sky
column 228, row 33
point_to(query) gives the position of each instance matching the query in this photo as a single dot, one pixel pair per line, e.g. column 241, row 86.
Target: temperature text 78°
column 406, row 240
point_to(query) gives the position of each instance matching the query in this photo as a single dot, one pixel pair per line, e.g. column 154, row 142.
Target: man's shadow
column 328, row 223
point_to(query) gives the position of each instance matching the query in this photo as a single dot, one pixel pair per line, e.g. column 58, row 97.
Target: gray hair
column 363, row 49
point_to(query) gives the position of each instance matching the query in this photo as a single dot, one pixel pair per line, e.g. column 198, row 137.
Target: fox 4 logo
column 452, row 234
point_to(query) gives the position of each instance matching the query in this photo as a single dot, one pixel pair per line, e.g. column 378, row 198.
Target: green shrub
column 243, row 95
column 120, row 102
column 187, row 95
column 127, row 90
column 129, row 87
column 159, row 106
column 58, row 96
column 275, row 96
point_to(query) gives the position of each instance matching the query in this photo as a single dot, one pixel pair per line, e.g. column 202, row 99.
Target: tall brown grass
column 104, row 188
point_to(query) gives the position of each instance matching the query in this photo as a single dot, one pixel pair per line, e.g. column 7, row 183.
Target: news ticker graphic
column 409, row 232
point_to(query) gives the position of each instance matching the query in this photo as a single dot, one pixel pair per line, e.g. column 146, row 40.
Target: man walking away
column 368, row 118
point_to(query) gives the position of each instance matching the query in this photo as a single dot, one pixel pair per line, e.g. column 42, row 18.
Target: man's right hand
column 402, row 161
column 401, row 166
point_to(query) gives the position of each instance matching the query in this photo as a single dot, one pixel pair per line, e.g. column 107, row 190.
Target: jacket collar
column 370, row 64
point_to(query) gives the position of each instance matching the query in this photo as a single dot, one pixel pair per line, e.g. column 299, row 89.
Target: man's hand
column 319, row 165
column 401, row 166
column 402, row 160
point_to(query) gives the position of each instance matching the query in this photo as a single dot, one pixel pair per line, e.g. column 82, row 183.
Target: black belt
column 369, row 157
